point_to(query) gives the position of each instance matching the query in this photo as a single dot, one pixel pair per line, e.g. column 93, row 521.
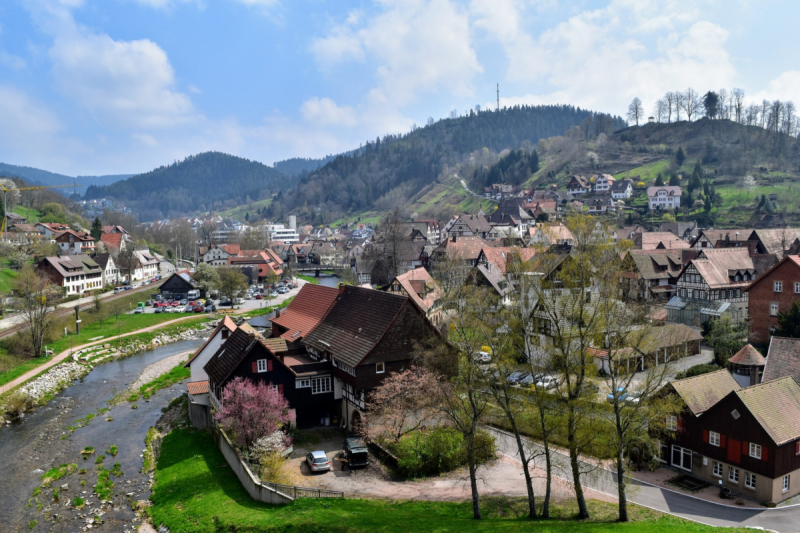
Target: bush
column 427, row 453
column 696, row 370
column 16, row 404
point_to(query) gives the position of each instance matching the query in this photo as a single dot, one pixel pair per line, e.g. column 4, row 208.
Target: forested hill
column 35, row 176
column 388, row 171
column 203, row 182
column 298, row 165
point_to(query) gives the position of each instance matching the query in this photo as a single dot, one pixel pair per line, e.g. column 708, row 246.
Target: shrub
column 78, row 502
column 427, row 453
column 696, row 370
column 17, row 403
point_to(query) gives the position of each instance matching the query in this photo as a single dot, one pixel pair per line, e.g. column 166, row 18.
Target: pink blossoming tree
column 251, row 411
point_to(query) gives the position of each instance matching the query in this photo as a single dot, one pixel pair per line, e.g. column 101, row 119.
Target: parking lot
column 246, row 305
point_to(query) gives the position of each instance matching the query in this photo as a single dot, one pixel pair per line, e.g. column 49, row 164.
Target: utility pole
column 498, row 97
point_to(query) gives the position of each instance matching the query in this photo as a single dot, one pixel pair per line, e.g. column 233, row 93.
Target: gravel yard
column 503, row 477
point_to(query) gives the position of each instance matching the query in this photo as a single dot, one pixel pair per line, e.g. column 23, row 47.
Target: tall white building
column 280, row 233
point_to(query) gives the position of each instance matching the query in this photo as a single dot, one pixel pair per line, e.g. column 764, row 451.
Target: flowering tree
column 401, row 405
column 251, row 411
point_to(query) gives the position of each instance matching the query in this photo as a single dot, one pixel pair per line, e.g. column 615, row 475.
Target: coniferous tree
column 680, row 156
column 97, row 229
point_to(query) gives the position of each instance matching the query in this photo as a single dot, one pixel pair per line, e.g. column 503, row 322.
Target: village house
column 75, row 274
column 114, row 242
column 72, row 242
column 551, row 235
column 652, row 274
column 466, row 249
column 745, row 439
column 579, row 185
column 265, row 263
column 181, row 286
column 114, row 229
column 687, row 231
column 49, row 229
column 199, row 403
column 782, row 359
column 773, row 292
column 723, row 238
column 423, row 291
column 110, row 270
column 604, row 183
column 218, row 254
column 601, row 204
column 713, row 284
column 466, row 226
column 621, row 190
column 777, row 241
column 650, row 347
column 148, row 266
column 652, row 240
column 664, row 197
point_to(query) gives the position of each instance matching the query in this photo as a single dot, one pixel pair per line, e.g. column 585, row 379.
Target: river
column 329, row 280
column 35, row 443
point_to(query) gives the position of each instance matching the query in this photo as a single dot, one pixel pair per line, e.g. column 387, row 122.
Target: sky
column 124, row 86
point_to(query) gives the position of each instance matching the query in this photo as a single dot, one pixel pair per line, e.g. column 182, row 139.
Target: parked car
column 515, row 376
column 149, row 303
column 259, row 297
column 211, row 308
column 175, row 303
column 318, row 461
column 199, row 309
column 225, row 301
column 180, row 309
column 118, row 290
column 621, row 393
column 192, row 303
column 184, row 301
column 283, row 290
column 547, row 382
column 527, row 380
column 138, row 311
column 356, row 452
column 189, row 309
column 159, row 309
column 273, row 294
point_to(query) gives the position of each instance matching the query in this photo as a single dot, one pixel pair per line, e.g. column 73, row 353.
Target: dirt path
column 66, row 353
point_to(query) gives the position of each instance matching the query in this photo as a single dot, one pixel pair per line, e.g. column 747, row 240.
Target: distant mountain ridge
column 37, row 176
column 202, row 182
column 298, row 165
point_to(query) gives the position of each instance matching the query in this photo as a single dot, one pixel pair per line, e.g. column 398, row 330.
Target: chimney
column 278, row 312
column 341, row 288
column 753, row 375
column 454, row 238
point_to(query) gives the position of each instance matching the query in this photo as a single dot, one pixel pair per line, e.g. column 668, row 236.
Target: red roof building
column 304, row 313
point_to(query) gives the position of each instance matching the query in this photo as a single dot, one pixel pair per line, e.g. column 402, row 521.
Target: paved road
column 785, row 519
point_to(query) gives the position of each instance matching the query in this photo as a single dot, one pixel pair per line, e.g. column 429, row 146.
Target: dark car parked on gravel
column 356, row 452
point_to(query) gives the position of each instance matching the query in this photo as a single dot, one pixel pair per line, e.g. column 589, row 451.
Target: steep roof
column 275, row 344
column 794, row 259
column 230, row 354
column 476, row 223
column 653, row 240
column 783, row 359
column 702, row 392
column 776, row 240
column 717, row 264
column 418, row 282
column 197, row 387
column 502, row 256
column 305, row 311
column 648, row 263
column 621, row 186
column 112, row 240
column 716, row 235
column 465, row 246
column 748, row 356
column 355, row 323
column 776, row 406
column 226, row 322
column 671, row 190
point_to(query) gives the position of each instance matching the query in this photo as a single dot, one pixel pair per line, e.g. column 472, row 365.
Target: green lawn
column 239, row 212
column 31, row 214
column 648, row 172
column 196, row 491
column 309, row 279
column 7, row 277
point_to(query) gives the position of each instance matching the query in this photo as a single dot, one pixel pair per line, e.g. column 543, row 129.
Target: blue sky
column 122, row 86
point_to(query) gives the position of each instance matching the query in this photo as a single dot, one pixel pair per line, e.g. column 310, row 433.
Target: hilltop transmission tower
column 498, row 97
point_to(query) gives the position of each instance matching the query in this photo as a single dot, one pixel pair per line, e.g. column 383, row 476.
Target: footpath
column 66, row 353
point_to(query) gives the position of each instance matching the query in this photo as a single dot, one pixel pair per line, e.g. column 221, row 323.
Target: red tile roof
column 198, row 387
column 305, row 311
column 748, row 356
column 114, row 240
column 225, row 322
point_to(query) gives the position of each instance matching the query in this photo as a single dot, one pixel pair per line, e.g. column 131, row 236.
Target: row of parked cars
column 526, row 379
column 127, row 285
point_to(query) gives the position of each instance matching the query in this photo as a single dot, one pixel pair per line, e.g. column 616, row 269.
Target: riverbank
column 52, row 435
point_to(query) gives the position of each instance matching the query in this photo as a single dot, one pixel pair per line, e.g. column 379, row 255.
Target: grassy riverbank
column 309, row 279
column 196, row 491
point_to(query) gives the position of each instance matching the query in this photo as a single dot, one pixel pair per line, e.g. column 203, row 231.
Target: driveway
column 502, row 477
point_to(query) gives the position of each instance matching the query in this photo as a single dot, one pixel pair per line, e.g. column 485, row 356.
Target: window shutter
column 280, row 388
column 764, row 453
column 680, row 424
column 255, row 367
column 705, row 436
column 722, row 441
column 745, row 447
column 269, row 365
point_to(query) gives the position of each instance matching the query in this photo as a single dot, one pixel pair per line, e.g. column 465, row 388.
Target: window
column 380, row 368
column 713, row 438
column 735, row 414
column 262, row 365
column 682, row 458
column 750, row 480
column 717, row 469
column 733, row 474
column 797, row 287
column 786, row 483
column 777, row 286
column 302, row 384
column 274, row 387
column 672, row 423
column 773, row 309
column 320, row 385
column 755, row 450
column 225, row 333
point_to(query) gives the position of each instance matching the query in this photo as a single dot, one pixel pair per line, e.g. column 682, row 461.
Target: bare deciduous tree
column 660, row 110
column 635, row 111
column 35, row 299
column 738, row 103
column 691, row 103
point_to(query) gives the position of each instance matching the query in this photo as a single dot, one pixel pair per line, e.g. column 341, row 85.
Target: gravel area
column 156, row 369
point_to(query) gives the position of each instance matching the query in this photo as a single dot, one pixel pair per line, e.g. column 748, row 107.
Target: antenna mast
column 498, row 97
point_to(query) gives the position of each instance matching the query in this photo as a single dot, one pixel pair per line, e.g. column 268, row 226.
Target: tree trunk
column 548, row 466
column 621, row 489
column 473, row 479
column 526, row 470
column 583, row 511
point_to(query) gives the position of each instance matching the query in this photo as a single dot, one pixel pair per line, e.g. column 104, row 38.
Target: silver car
column 318, row 461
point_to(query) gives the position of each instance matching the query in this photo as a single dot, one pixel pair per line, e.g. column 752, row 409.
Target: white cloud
column 194, row 89
column 145, row 139
column 342, row 44
column 24, row 120
column 324, row 111
column 10, row 60
column 784, row 87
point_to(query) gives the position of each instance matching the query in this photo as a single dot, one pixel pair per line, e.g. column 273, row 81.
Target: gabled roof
column 748, row 356
column 495, row 278
column 671, row 190
column 355, row 323
column 475, row 223
column 776, row 240
column 226, row 322
column 581, row 181
column 715, row 236
column 275, row 344
column 700, row 393
column 419, row 283
column 230, row 354
column 197, row 387
column 716, row 265
column 305, row 311
column 502, row 256
column 465, row 246
column 776, row 407
column 794, row 259
column 102, row 259
column 648, row 261
column 621, row 186
column 783, row 359
column 653, row 240
column 112, row 240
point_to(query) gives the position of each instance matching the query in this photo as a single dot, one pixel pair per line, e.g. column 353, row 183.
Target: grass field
column 7, row 277
column 309, row 279
column 196, row 491
column 31, row 214
column 239, row 212
column 648, row 172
